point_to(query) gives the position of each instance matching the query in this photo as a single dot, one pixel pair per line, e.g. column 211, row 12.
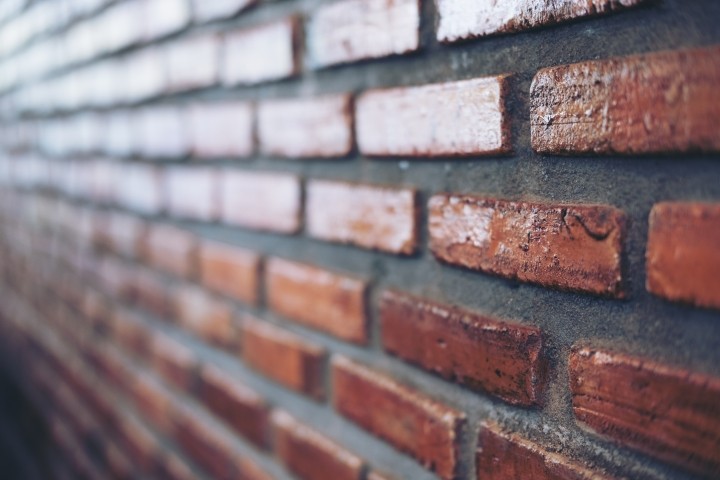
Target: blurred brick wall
column 361, row 239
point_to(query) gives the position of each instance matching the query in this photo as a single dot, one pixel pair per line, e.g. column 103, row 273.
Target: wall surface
column 362, row 239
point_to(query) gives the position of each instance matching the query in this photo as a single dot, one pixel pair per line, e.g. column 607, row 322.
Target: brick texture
column 351, row 30
column 659, row 102
column 311, row 456
column 505, row 456
column 192, row 193
column 283, row 357
column 429, row 431
column 435, row 120
column 221, row 129
column 666, row 412
column 573, row 247
column 310, row 127
column 503, row 359
column 230, row 270
column 171, row 249
column 318, row 298
column 368, row 216
column 460, row 20
column 682, row 255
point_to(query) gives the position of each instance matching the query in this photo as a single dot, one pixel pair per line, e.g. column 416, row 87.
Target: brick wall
column 361, row 239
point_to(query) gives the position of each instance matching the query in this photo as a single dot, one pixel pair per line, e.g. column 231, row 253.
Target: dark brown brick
column 429, row 431
column 570, row 247
column 669, row 413
column 502, row 359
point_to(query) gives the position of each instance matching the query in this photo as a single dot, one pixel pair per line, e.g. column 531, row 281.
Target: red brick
column 221, row 129
column 115, row 278
column 170, row 249
column 263, row 53
column 139, row 442
column 128, row 332
column 683, row 259
column 230, row 270
column 205, row 11
column 368, row 216
column 162, row 132
column 429, row 431
column 139, row 188
column 484, row 354
column 174, row 361
column 654, row 103
column 284, row 357
column 239, row 407
column 448, row 119
column 667, row 412
column 151, row 292
column 193, row 192
column 306, row 127
column 212, row 450
column 261, row 201
column 460, row 20
column 570, row 247
column 506, row 456
column 152, row 401
column 352, row 30
column 318, row 298
column 120, row 233
column 193, row 62
column 311, row 456
column 173, row 467
column 206, row 316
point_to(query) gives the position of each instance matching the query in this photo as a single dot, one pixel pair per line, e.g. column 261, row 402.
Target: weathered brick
column 571, row 247
column 263, row 53
column 310, row 455
column 193, row 192
column 230, row 270
column 306, row 127
column 666, row 412
column 261, row 201
column 128, row 332
column 205, row 11
column 239, row 406
column 461, row 19
column 654, row 103
column 170, row 249
column 368, row 216
column 151, row 292
column 448, row 119
column 193, row 62
column 505, row 456
column 429, row 431
column 152, row 400
column 139, row 188
column 221, row 129
column 351, row 30
column 318, row 298
column 208, row 317
column 484, row 354
column 122, row 233
column 683, row 259
column 283, row 357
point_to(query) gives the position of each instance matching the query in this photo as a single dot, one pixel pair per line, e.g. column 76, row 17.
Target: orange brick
column 352, row 30
column 306, row 127
column 310, row 455
column 261, row 201
column 230, row 270
column 175, row 362
column 429, row 431
column 484, row 354
column 506, row 456
column 284, row 357
column 683, row 259
column 368, row 216
column 669, row 413
column 318, row 298
column 654, row 103
column 435, row 120
column 571, row 247
column 461, row 20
